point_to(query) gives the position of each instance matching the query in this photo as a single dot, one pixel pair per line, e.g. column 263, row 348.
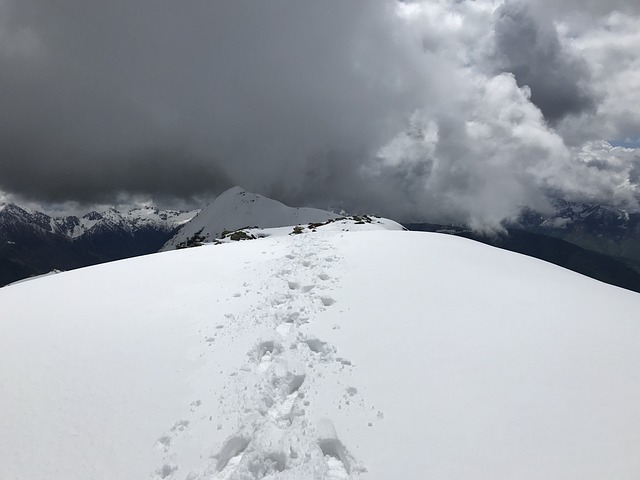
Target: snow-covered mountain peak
column 13, row 209
column 235, row 191
column 16, row 216
column 236, row 208
column 92, row 216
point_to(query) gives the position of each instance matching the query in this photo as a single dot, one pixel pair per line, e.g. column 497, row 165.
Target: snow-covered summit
column 322, row 355
column 14, row 217
column 236, row 208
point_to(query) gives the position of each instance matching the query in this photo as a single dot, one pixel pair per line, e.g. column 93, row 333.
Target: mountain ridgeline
column 607, row 230
column 598, row 241
column 34, row 243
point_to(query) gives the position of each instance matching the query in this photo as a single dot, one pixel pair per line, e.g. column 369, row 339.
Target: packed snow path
column 267, row 396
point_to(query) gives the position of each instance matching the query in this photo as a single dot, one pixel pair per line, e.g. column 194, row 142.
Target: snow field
column 485, row 363
column 328, row 355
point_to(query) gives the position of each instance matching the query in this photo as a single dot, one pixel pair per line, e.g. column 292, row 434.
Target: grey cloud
column 160, row 173
column 634, row 173
column 532, row 52
column 579, row 10
column 257, row 86
column 335, row 104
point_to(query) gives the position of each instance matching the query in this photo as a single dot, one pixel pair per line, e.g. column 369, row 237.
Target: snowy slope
column 236, row 208
column 363, row 354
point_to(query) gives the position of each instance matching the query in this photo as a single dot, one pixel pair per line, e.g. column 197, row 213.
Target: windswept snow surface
column 328, row 355
column 237, row 208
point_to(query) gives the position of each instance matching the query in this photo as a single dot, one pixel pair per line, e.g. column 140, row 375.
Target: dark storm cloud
column 85, row 178
column 257, row 86
column 531, row 50
column 381, row 106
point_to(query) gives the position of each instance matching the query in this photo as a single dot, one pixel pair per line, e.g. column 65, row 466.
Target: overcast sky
column 443, row 110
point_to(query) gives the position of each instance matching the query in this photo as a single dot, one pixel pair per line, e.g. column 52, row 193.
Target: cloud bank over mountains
column 444, row 110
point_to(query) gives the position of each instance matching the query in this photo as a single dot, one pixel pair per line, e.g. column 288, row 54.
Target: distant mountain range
column 598, row 241
column 607, row 230
column 34, row 243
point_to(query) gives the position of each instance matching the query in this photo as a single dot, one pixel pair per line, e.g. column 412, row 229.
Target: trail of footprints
column 274, row 435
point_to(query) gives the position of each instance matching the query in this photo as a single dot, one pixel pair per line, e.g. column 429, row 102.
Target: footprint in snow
column 166, row 470
column 265, row 352
column 318, row 346
column 180, row 426
column 231, row 452
column 284, row 412
column 339, row 461
column 271, row 464
column 164, row 442
column 327, row 301
column 293, row 318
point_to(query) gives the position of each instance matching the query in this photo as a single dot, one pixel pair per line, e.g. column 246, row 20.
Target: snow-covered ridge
column 129, row 220
column 74, row 227
column 237, row 208
column 321, row 355
column 13, row 216
column 348, row 223
column 28, row 279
